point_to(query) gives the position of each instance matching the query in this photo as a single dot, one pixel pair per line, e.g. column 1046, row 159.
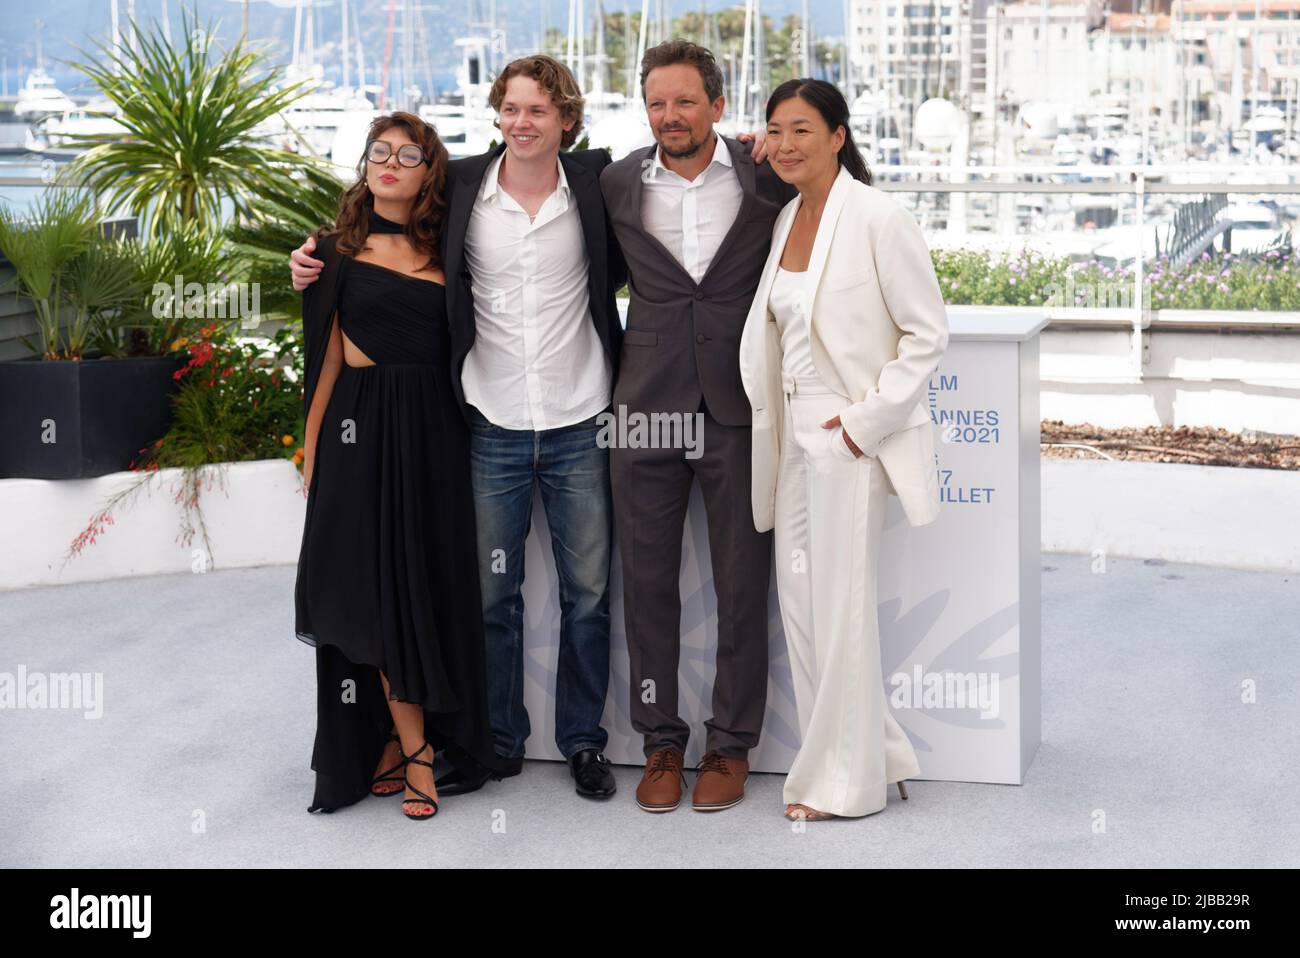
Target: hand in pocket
column 840, row 442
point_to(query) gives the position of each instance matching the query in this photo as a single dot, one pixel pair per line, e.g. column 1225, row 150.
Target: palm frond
column 190, row 114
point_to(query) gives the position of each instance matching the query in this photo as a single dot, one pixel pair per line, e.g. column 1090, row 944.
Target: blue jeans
column 573, row 473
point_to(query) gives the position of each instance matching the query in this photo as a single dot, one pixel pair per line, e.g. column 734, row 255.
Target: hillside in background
column 80, row 23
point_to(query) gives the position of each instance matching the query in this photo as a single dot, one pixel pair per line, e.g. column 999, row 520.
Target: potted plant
column 237, row 402
column 72, row 410
column 107, row 322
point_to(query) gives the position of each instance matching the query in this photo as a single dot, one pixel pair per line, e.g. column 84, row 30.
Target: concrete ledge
column 1210, row 515
column 254, row 513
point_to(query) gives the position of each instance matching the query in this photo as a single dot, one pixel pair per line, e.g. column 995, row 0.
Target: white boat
column 620, row 132
column 1247, row 215
column 57, row 134
column 40, row 98
column 313, row 123
column 1268, row 120
column 465, row 121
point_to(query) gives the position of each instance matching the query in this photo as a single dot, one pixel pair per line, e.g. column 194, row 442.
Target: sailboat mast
column 805, row 41
column 344, row 45
column 117, row 40
column 568, row 47
column 598, row 81
column 582, row 45
column 742, row 80
column 640, row 42
column 632, row 63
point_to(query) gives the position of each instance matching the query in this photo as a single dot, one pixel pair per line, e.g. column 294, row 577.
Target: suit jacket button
column 699, row 295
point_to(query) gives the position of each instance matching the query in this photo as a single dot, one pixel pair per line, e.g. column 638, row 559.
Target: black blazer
column 606, row 271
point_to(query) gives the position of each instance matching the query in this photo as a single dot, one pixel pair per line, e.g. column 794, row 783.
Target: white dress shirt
column 537, row 362
column 691, row 217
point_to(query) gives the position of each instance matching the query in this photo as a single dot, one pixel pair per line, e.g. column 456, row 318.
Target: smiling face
column 389, row 180
column 801, row 147
column 680, row 114
column 530, row 122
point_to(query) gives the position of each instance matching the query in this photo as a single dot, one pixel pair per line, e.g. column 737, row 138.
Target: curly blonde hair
column 553, row 77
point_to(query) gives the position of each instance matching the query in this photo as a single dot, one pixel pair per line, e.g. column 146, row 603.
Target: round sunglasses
column 378, row 151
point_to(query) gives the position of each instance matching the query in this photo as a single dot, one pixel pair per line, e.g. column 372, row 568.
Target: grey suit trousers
column 652, row 489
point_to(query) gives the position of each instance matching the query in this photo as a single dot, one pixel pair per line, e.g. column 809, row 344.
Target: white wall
column 1237, row 381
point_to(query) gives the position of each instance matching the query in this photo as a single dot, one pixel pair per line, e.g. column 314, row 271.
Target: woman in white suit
column 845, row 330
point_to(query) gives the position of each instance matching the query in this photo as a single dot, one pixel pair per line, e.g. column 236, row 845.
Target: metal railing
column 1137, row 187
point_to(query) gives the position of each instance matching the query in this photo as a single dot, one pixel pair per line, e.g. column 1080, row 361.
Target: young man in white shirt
column 532, row 269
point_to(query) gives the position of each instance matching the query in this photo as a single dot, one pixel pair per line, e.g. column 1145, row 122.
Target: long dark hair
column 827, row 100
column 428, row 209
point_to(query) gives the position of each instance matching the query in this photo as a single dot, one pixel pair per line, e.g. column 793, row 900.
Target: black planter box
column 104, row 411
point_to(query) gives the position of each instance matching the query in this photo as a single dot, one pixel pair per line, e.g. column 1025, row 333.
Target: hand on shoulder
column 307, row 261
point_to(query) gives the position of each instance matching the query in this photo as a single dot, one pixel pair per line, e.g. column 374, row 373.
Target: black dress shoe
column 460, row 781
column 591, row 773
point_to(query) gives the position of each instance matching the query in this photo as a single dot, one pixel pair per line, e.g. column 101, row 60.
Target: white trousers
column 829, row 518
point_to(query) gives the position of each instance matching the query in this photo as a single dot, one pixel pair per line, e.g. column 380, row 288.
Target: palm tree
column 280, row 222
column 189, row 115
column 42, row 250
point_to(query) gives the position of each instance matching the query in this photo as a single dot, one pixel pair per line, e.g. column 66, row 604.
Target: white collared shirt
column 691, row 217
column 537, row 362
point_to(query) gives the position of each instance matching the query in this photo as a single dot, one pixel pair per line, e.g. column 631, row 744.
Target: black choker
column 379, row 224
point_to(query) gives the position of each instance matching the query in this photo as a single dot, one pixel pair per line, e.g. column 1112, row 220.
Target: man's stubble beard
column 692, row 147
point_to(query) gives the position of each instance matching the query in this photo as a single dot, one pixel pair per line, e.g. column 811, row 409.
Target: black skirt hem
column 441, row 708
column 350, row 738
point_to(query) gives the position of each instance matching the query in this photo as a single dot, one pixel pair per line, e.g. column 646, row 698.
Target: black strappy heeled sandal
column 388, row 775
column 423, row 799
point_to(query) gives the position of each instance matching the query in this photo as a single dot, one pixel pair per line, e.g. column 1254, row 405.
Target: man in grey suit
column 694, row 217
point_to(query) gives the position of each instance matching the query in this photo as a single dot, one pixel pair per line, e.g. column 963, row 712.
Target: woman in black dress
column 387, row 588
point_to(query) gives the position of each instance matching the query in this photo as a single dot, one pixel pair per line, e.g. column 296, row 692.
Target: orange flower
column 287, row 440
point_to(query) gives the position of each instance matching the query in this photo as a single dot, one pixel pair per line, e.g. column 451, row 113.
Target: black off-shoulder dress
column 388, row 568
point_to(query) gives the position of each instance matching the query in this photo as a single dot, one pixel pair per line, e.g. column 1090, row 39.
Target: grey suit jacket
column 682, row 340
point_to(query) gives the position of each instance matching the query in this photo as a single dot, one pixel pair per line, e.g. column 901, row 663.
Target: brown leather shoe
column 661, row 785
column 719, row 782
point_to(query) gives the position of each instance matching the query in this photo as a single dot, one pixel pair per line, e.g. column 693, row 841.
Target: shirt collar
column 491, row 177
column 721, row 155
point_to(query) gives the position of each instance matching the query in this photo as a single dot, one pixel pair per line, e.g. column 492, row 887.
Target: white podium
column 958, row 599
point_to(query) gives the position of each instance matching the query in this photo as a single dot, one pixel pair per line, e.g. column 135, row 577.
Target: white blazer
column 877, row 330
